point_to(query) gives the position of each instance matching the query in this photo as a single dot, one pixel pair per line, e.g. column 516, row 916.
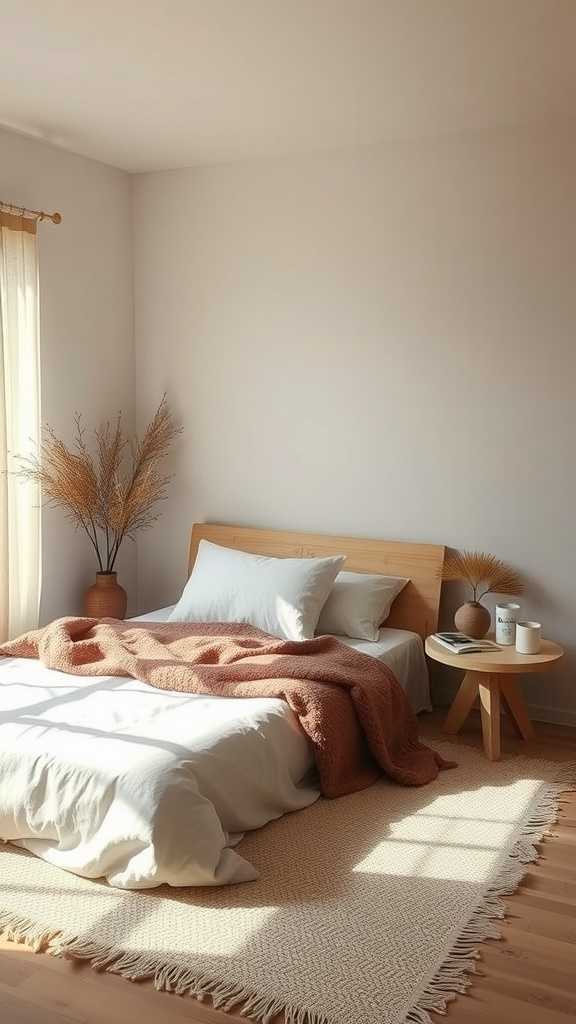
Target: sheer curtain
column 20, row 552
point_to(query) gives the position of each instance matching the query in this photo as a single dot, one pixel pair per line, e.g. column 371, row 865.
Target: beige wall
column 379, row 343
column 86, row 323
column 339, row 336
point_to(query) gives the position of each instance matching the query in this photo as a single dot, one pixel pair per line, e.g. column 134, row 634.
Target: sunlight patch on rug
column 369, row 909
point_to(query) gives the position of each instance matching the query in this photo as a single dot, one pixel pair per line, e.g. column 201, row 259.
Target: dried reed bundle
column 482, row 570
column 102, row 494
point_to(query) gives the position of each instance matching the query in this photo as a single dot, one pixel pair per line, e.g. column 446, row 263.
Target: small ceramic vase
column 105, row 599
column 473, row 619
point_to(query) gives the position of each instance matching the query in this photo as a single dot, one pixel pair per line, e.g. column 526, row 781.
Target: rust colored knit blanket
column 350, row 705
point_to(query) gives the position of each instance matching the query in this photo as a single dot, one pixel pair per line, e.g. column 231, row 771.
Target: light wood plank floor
column 530, row 976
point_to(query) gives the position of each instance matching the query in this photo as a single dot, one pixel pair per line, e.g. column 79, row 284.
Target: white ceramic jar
column 506, row 619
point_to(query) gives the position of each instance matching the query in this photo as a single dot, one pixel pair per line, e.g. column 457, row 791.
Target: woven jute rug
column 368, row 910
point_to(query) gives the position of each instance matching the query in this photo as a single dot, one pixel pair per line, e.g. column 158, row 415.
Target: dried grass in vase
column 479, row 571
column 110, row 493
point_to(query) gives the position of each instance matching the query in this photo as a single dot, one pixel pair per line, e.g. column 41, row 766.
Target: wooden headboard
column 416, row 608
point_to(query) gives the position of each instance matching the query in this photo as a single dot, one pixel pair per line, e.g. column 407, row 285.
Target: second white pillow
column 358, row 604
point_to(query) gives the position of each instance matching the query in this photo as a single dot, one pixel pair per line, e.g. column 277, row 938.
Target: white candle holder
column 528, row 637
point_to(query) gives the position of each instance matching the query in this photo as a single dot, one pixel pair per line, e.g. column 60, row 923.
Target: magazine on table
column 459, row 643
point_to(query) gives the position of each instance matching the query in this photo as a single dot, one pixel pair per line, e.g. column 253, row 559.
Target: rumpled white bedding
column 112, row 778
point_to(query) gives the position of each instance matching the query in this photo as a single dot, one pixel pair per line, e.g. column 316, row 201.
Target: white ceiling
column 147, row 85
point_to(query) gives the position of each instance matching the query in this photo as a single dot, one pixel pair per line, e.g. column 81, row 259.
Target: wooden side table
column 492, row 676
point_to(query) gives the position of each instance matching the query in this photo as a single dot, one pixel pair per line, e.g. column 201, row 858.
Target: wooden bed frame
column 416, row 608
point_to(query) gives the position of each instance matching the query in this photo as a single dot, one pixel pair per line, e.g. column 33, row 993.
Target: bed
column 102, row 769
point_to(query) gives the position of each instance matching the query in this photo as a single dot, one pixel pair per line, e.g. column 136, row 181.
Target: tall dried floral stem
column 99, row 493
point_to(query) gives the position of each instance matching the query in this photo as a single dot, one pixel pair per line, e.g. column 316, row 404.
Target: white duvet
column 112, row 778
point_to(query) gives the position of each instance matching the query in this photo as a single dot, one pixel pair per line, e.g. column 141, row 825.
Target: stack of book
column 459, row 643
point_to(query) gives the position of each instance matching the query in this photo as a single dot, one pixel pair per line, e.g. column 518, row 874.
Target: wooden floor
column 530, row 976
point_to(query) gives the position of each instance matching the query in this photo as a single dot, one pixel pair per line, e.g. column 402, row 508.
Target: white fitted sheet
column 403, row 652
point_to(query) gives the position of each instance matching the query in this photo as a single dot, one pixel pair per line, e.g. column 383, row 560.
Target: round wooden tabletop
column 498, row 662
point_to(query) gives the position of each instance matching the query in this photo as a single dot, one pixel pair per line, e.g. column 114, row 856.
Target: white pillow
column 282, row 596
column 359, row 604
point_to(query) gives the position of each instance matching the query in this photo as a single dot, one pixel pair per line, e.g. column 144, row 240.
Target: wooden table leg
column 489, row 690
column 462, row 704
column 515, row 703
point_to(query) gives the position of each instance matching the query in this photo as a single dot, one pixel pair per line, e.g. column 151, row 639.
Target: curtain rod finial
column 56, row 218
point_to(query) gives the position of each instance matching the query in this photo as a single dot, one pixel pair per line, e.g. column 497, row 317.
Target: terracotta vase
column 105, row 599
column 473, row 619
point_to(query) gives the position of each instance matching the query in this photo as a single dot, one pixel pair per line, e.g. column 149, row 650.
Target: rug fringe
column 227, row 997
column 21, row 929
column 452, row 978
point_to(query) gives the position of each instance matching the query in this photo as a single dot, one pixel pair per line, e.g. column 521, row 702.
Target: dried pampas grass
column 106, row 494
column 482, row 572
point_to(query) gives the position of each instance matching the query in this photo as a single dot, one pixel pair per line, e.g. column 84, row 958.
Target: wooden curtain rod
column 23, row 211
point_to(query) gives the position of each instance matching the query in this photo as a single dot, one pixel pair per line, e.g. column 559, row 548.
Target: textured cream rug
column 369, row 909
